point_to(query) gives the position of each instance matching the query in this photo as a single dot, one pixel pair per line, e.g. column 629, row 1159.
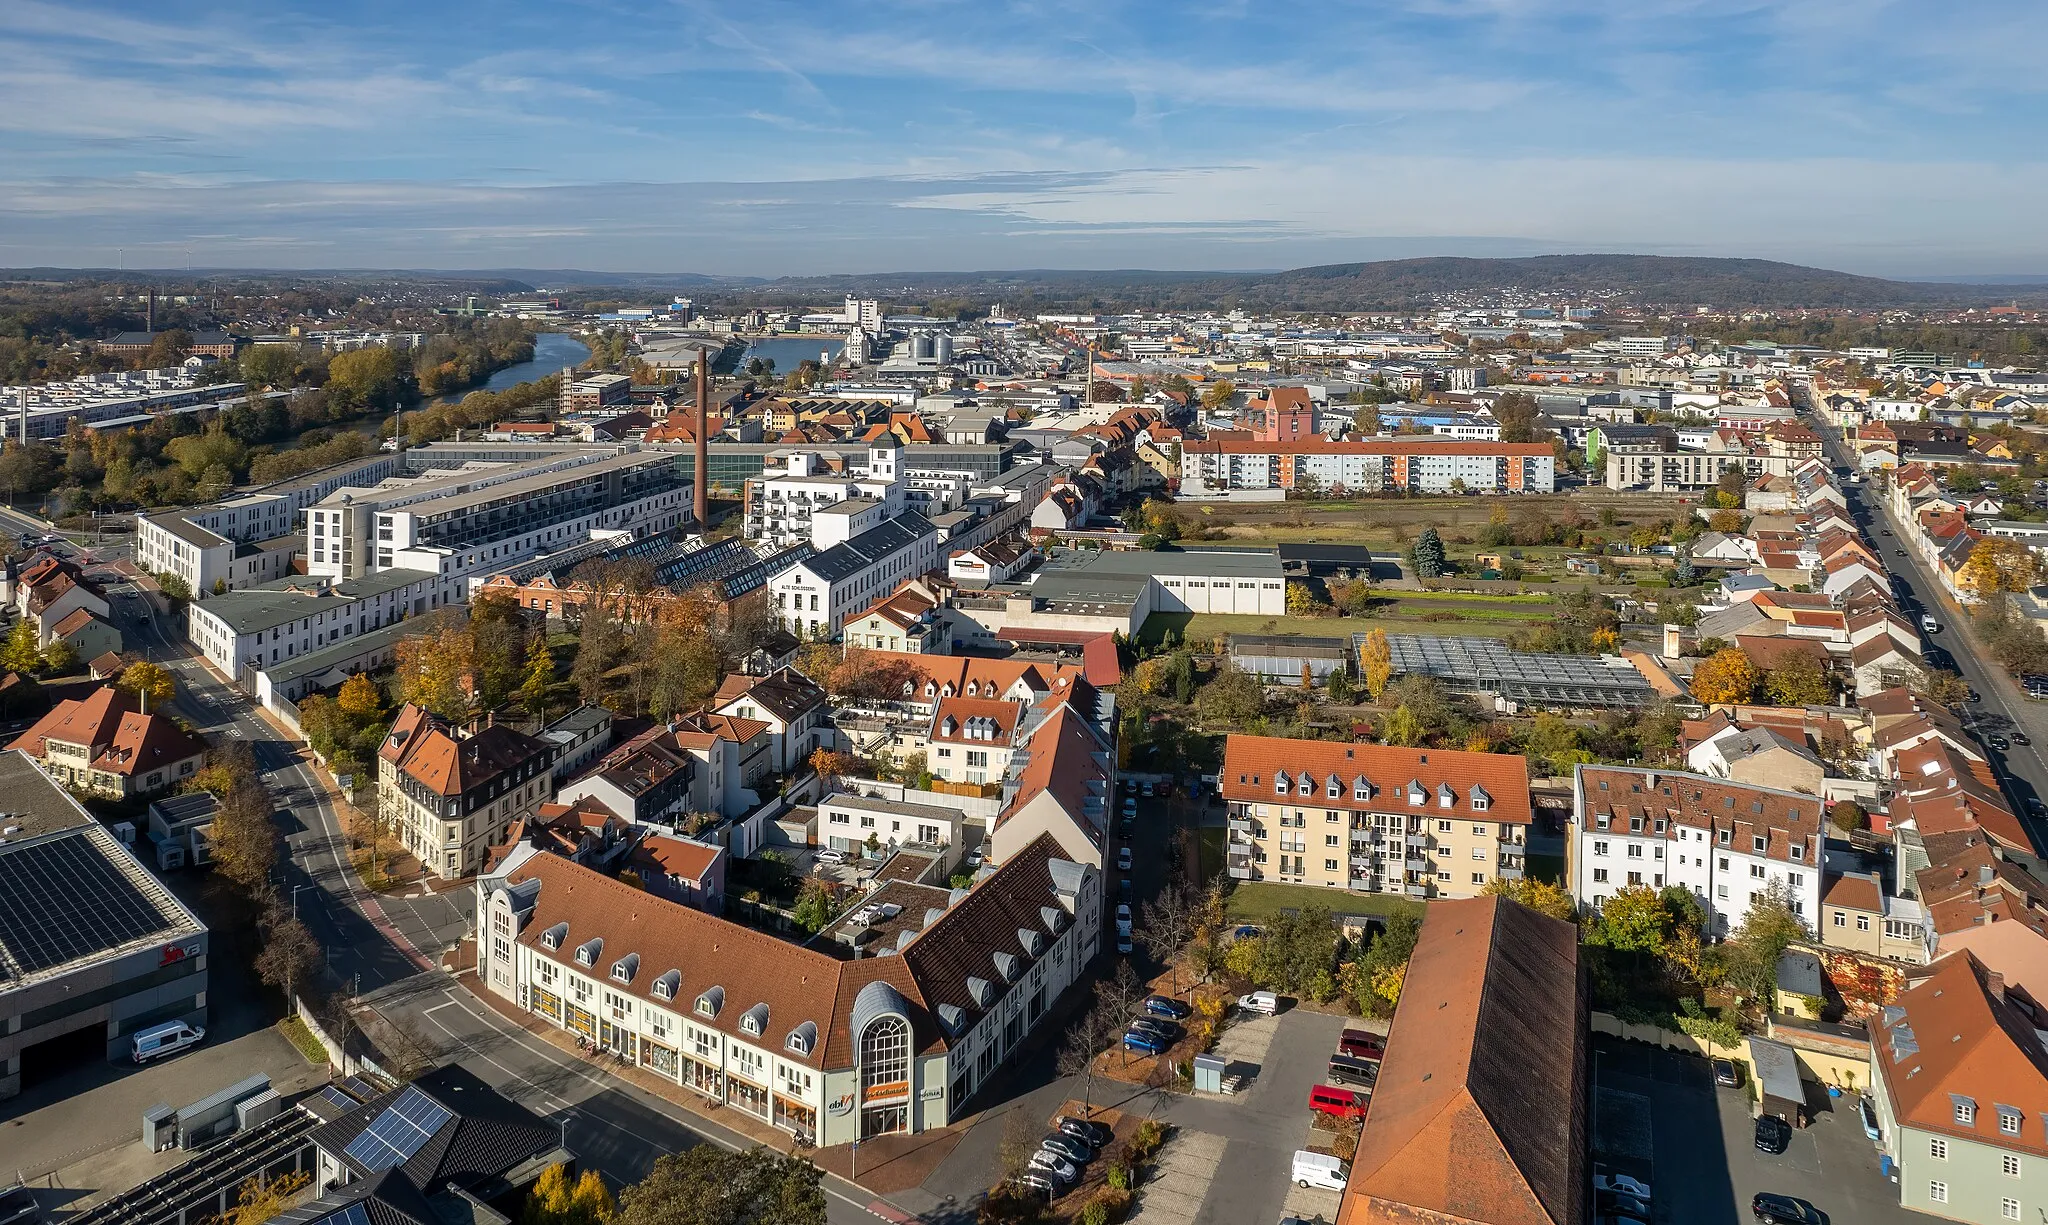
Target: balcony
column 1362, row 861
column 1239, row 866
column 1419, row 840
column 1240, row 826
column 1507, row 873
column 1416, row 889
column 1417, row 864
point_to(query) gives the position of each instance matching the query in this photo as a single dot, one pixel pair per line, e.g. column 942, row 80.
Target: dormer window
column 802, row 1040
column 1416, row 795
column 1361, row 789
column 666, row 986
column 1334, row 788
column 1966, row 1110
column 710, row 1002
column 1480, row 800
column 625, row 967
column 1279, row 784
column 1798, row 851
column 1306, row 785
column 755, row 1020
column 552, row 938
column 1761, row 842
column 586, row 953
column 1727, row 836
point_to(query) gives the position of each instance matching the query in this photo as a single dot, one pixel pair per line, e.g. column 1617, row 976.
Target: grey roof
column 253, row 609
column 486, row 1135
column 338, row 655
column 178, row 524
column 878, row 542
column 1799, row 973
column 902, row 808
column 1136, row 563
column 1489, row 665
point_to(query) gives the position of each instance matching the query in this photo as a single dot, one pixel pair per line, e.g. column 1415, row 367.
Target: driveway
column 1658, row 1116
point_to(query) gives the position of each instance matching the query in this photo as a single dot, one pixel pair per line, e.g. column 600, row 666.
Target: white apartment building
column 474, row 521
column 256, row 627
column 1726, row 842
column 249, row 539
column 893, row 1040
column 815, row 597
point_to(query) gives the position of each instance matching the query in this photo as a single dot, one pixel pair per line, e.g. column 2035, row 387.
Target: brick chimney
column 703, row 481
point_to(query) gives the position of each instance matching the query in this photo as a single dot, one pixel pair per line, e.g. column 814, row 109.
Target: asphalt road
column 613, row 1127
column 2022, row 770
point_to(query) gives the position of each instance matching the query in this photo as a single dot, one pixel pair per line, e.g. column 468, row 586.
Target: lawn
column 1253, row 901
column 303, row 1040
column 1209, row 852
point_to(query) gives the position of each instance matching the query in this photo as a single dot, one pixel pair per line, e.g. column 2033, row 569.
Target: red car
column 1339, row 1103
column 1362, row 1044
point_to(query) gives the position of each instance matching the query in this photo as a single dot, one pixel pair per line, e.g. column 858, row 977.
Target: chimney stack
column 149, row 314
column 703, row 482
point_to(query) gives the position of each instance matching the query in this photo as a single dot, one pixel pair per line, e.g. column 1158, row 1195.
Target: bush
column 1114, row 1202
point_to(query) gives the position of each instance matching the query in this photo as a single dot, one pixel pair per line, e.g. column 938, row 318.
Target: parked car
column 1068, row 1147
column 1059, row 1167
column 1130, row 807
column 1620, row 1203
column 1264, row 1002
column 1041, row 1182
column 1361, row 1044
column 1123, row 858
column 1087, row 1131
column 1867, row 1114
column 828, row 855
column 1123, row 943
column 1145, row 1044
column 1319, row 1170
column 1168, row 1007
column 1773, row 1209
column 1338, row 1102
column 166, row 1039
column 1622, row 1182
column 1928, row 625
column 1725, row 1073
column 1351, row 1070
column 1165, row 1031
column 2020, row 737
column 1123, row 919
column 1145, row 789
column 1773, row 1134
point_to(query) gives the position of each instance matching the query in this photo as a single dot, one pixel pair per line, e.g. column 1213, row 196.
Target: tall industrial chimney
column 23, row 393
column 703, row 484
column 149, row 313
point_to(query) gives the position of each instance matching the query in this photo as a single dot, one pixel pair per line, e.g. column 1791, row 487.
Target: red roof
column 1500, row 781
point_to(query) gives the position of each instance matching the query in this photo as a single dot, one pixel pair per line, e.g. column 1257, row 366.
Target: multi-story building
column 830, row 1050
column 1211, row 467
column 1728, row 843
column 481, row 518
column 815, row 597
column 594, row 392
column 103, row 744
column 450, row 796
column 1961, row 1095
column 1369, row 818
column 249, row 539
column 254, row 628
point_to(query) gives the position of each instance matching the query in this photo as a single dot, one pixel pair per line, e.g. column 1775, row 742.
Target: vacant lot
column 1387, row 523
column 1252, row 901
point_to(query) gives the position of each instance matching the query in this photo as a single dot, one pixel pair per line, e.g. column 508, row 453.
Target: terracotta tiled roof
column 1479, row 1114
column 120, row 740
column 954, row 718
column 1775, row 651
column 428, row 752
column 678, row 857
column 1251, row 763
column 1958, row 1045
column 1784, row 819
column 1065, row 762
column 1853, row 891
column 939, row 676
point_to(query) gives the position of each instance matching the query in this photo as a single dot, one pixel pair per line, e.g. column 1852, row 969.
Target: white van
column 1319, row 1170
column 1259, row 1001
column 1928, row 625
column 165, row 1039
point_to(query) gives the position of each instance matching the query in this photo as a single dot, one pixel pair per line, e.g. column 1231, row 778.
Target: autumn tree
column 1998, row 563
column 360, row 698
column 289, row 952
column 556, row 1200
column 436, row 667
column 1375, row 662
column 706, row 1185
column 21, row 654
column 1727, row 522
column 260, row 1199
column 1799, row 682
column 539, row 680
column 1542, row 896
column 1728, row 677
column 1218, row 394
column 149, row 682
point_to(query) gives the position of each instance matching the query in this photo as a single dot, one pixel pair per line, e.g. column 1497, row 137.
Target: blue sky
column 787, row 138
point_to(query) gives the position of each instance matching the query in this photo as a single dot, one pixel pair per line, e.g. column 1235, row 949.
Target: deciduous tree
column 1541, row 896
column 705, row 1185
column 1998, row 563
column 1728, row 676
column 149, row 683
column 1375, row 662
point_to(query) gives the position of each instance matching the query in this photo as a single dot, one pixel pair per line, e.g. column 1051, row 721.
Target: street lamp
column 295, row 900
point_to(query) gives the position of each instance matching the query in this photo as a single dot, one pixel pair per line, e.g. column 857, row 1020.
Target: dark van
column 1351, row 1070
column 1362, row 1044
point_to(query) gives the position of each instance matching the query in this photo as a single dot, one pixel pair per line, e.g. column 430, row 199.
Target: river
column 551, row 352
column 790, row 351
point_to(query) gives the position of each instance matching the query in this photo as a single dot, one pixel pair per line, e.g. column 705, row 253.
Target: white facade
column 256, row 629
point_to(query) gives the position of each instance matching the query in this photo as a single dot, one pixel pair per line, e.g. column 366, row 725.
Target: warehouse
column 89, row 940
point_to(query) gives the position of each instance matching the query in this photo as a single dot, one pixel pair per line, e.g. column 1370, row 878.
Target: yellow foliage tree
column 435, row 669
column 359, row 698
column 149, row 682
column 1998, row 563
column 1387, row 983
column 1729, row 676
column 1375, row 662
column 258, row 1201
column 1242, row 958
column 1541, row 896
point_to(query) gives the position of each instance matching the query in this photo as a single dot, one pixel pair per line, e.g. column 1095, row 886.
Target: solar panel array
column 337, row 1097
column 354, row 1214
column 399, row 1132
column 64, row 899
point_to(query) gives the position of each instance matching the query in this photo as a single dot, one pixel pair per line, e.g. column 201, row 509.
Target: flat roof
column 1141, row 563
column 1490, row 665
column 70, row 893
column 336, row 655
column 901, row 808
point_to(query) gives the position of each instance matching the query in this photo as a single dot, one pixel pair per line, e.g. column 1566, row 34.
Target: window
column 1761, row 842
column 1600, row 875
column 1938, row 1192
column 2010, row 1163
column 1966, row 1112
column 2009, row 1208
column 1479, row 853
column 1863, row 922
column 1938, row 1149
column 1635, row 850
column 1329, row 865
column 1479, row 878
column 1756, row 871
column 1479, row 829
column 1841, row 920
column 1443, row 827
column 1599, row 848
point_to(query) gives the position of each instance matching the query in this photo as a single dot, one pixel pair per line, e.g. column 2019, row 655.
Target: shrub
column 1095, row 1212
column 1120, row 1177
column 1114, row 1202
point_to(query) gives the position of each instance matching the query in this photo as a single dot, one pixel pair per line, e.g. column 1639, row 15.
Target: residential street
column 2023, row 769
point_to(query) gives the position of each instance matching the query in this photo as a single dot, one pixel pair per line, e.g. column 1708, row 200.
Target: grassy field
column 1209, row 853
column 1253, row 901
column 1382, row 523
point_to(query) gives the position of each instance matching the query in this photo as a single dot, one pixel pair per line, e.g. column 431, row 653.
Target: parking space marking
column 1246, row 1043
column 1312, row 1203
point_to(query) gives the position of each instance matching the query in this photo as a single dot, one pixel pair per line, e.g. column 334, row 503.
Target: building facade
column 450, row 797
column 1374, row 818
column 1374, row 466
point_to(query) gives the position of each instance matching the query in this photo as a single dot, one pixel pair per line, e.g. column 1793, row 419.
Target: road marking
column 438, row 1007
column 704, row 1129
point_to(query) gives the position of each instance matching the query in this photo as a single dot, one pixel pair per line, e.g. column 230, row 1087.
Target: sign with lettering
column 840, row 1105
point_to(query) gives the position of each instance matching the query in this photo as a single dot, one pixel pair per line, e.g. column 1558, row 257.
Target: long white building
column 251, row 538
column 1727, row 843
column 1219, row 467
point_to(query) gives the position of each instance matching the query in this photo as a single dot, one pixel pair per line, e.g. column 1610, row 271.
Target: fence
column 340, row 1055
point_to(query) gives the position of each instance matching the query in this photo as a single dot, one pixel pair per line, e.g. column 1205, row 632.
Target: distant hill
column 1402, row 283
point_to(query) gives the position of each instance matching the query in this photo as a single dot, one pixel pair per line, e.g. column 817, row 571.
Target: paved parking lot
column 1658, row 1116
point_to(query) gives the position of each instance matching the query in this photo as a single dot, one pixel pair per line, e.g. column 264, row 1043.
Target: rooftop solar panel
column 65, row 899
column 338, row 1098
column 396, row 1134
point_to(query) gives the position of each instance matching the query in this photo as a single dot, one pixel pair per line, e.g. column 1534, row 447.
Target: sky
column 1888, row 137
